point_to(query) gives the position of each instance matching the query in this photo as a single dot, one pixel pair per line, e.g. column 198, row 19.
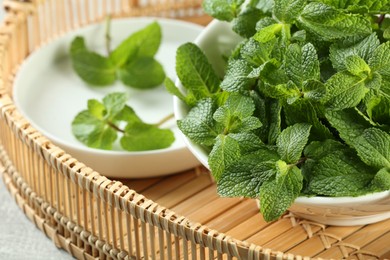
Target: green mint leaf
column 78, row 44
column 331, row 24
column 245, row 23
column 373, row 147
column 247, row 141
column 274, row 121
column 234, row 112
column 340, row 174
column 360, row 6
column 292, row 141
column 363, row 48
column 91, row 67
column 266, row 6
column 139, row 136
column 302, row 64
column 268, row 33
column 96, row 108
column 344, row 90
column 349, row 124
column 317, row 150
column 305, row 112
column 127, row 114
column 224, row 10
column 386, row 33
column 114, row 103
column 143, row 73
column 357, row 66
column 288, row 10
column 143, row 43
column 381, row 180
column 288, row 92
column 299, row 36
column 313, row 90
column 93, row 131
column 272, row 73
column 236, row 78
column 225, row 152
column 257, row 53
column 171, row 88
column 277, row 195
column 380, row 60
column 199, row 124
column 195, row 72
column 378, row 109
column 245, row 176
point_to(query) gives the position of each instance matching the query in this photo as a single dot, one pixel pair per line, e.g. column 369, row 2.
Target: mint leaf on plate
column 139, row 136
column 143, row 43
column 90, row 66
column 143, row 73
column 99, row 125
column 132, row 61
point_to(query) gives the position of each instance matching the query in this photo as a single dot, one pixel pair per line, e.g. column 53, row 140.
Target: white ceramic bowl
column 218, row 39
column 49, row 94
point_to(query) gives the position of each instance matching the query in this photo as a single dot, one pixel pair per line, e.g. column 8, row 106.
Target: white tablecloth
column 19, row 238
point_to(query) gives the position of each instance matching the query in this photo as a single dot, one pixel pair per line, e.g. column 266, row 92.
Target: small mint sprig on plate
column 102, row 123
column 304, row 105
column 132, row 62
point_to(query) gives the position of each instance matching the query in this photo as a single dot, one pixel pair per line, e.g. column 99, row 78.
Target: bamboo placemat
column 173, row 217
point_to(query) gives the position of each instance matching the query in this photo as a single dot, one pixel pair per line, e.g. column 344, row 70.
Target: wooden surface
column 193, row 194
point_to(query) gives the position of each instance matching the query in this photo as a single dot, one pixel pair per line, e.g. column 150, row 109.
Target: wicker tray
column 91, row 216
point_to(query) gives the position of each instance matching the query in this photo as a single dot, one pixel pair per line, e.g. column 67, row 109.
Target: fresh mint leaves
column 132, row 61
column 100, row 125
column 303, row 107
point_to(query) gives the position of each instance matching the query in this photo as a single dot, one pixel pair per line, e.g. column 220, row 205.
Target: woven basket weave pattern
column 91, row 216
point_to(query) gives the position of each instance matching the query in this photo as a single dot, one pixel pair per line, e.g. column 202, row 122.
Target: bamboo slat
column 172, row 217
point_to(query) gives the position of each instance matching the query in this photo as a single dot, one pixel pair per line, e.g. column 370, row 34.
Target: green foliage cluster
column 99, row 124
column 132, row 61
column 304, row 105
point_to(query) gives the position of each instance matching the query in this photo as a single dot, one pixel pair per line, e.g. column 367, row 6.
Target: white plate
column 49, row 94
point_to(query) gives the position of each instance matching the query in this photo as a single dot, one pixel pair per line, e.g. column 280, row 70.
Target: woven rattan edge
column 177, row 225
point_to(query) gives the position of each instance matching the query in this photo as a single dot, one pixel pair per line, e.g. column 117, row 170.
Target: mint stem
column 112, row 125
column 381, row 18
column 108, row 34
column 165, row 119
column 158, row 124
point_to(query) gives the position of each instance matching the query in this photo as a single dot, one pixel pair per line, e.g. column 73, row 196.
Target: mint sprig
column 303, row 106
column 132, row 62
column 102, row 123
